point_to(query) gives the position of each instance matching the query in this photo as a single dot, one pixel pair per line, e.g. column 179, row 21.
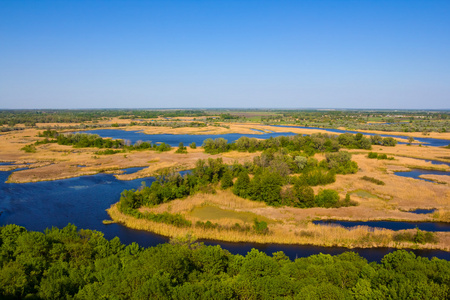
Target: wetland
column 60, row 184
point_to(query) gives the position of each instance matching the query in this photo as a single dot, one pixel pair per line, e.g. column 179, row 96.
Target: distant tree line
column 308, row 144
column 31, row 117
column 84, row 140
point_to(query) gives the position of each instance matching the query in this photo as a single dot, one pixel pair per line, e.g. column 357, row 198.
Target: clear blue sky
column 257, row 54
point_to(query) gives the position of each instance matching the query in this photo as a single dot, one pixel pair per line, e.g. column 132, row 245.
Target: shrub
column 260, row 227
column 181, row 148
column 107, row 152
column 29, row 149
column 373, row 180
column 327, row 198
column 372, row 155
column 227, row 180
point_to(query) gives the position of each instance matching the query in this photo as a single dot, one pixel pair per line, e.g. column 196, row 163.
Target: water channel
column 82, row 201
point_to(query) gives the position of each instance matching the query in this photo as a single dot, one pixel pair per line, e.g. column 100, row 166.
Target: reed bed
column 309, row 233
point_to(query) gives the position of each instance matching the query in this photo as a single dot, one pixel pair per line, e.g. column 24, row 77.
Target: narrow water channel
column 392, row 225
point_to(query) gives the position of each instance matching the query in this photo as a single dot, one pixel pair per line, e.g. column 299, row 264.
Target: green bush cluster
column 309, row 145
column 170, row 185
column 374, row 155
column 419, row 237
column 81, row 264
column 108, row 152
column 235, row 227
column 373, row 180
column 29, row 149
column 84, row 140
column 270, row 182
column 386, row 141
column 260, row 227
column 172, row 219
column 181, row 148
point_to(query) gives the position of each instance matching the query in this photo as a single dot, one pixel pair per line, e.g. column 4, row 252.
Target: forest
column 69, row 263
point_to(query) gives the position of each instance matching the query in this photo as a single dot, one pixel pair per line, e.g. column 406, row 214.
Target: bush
column 193, row 145
column 227, row 180
column 372, row 155
column 373, row 180
column 327, row 198
column 29, row 149
column 260, row 227
column 163, row 147
column 108, row 152
column 181, row 148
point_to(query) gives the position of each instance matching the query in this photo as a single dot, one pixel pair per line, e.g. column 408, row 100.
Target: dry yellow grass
column 52, row 161
column 306, row 233
column 443, row 179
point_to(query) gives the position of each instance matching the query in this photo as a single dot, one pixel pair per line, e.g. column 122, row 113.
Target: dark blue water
column 437, row 162
column 425, row 141
column 427, row 226
column 415, row 173
column 132, row 170
column 175, row 139
column 422, row 211
column 83, row 200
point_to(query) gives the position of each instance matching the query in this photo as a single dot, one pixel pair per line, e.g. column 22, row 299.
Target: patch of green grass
column 364, row 194
column 209, row 212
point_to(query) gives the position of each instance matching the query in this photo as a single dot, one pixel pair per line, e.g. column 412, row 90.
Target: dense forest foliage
column 81, row 264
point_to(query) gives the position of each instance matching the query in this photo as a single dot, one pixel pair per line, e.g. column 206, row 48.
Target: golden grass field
column 391, row 201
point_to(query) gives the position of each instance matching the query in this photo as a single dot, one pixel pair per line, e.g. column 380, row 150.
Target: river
column 83, row 200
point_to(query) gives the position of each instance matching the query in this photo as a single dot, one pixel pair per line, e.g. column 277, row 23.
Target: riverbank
column 305, row 234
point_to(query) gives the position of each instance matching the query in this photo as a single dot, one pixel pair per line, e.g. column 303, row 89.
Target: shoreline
column 309, row 234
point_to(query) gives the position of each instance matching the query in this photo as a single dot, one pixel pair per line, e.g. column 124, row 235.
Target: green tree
column 227, row 180
column 242, row 184
column 327, row 198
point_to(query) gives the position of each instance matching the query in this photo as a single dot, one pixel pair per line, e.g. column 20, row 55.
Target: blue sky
column 249, row 54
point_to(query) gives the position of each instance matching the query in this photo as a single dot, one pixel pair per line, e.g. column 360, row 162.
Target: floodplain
column 393, row 200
